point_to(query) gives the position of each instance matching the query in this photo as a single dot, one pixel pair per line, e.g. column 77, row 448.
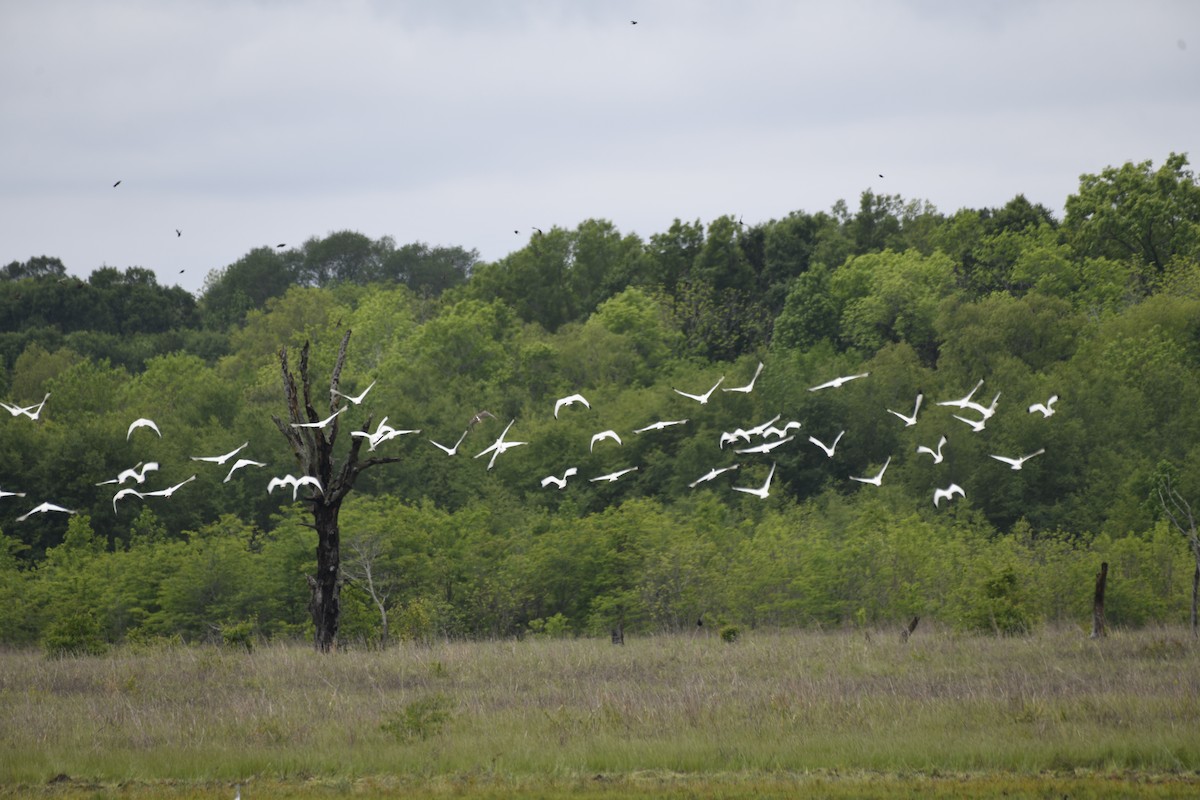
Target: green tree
column 1137, row 212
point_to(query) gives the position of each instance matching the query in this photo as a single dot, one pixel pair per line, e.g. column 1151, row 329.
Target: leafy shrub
column 75, row 633
column 419, row 720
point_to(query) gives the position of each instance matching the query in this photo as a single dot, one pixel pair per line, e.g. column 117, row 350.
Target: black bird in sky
column 633, row 22
column 115, row 185
column 178, row 232
column 282, row 244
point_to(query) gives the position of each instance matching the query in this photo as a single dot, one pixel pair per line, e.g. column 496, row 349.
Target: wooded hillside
column 1100, row 309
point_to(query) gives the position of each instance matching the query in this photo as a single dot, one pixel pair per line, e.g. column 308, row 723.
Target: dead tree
column 1099, row 629
column 313, row 448
column 1179, row 511
column 367, row 568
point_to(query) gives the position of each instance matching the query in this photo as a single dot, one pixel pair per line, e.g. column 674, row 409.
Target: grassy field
column 845, row 714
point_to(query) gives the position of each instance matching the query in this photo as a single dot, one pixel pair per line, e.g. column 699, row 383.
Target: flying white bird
column 142, row 423
column 570, row 399
column 242, row 462
column 358, row 398
column 749, row 387
column 4, row 494
column 702, row 399
column 132, row 474
column 909, row 421
column 612, row 476
column 761, row 492
column 733, row 436
column 1017, row 463
column 123, row 494
column 827, row 448
column 837, row 382
column 708, row 476
column 450, row 450
column 601, row 436
column 765, row 447
column 877, row 479
column 224, row 458
column 499, row 446
column 389, row 435
column 937, row 454
column 989, row 411
column 33, row 412
column 559, row 482
column 43, row 508
column 976, row 424
column 322, row 423
column 381, row 430
column 772, row 430
column 170, row 490
column 947, row 493
column 759, row 430
column 963, row 402
column 658, row 426
column 295, row 483
column 1047, row 408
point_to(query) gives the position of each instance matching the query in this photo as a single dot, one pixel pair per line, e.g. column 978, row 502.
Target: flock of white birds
column 757, row 440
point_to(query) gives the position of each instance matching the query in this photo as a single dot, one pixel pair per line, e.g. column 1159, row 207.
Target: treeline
column 1101, row 309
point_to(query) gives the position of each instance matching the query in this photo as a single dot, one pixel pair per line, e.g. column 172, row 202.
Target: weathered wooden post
column 1099, row 630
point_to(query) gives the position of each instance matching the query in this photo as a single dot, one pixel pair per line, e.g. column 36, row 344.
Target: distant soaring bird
column 224, row 458
column 1045, row 409
column 827, row 448
column 976, row 424
column 295, row 483
column 612, row 476
column 601, row 436
column 909, row 421
column 702, row 399
column 877, row 478
column 115, row 185
column 451, row 450
column 559, row 482
column 749, row 387
column 178, row 233
column 947, row 493
column 658, row 426
column 242, row 462
column 142, row 422
column 320, row 424
column 761, row 492
column 170, row 490
column 963, row 402
column 1017, row 463
column 570, row 399
column 937, row 454
column 359, row 397
column 44, row 507
column 708, row 476
column 837, row 382
column 765, row 447
column 11, row 494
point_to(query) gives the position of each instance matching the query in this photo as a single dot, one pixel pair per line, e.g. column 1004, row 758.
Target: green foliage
column 924, row 302
column 419, row 720
column 74, row 633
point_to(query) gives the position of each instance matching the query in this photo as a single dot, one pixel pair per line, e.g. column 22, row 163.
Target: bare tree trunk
column 313, row 448
column 325, row 603
column 1195, row 595
column 1099, row 629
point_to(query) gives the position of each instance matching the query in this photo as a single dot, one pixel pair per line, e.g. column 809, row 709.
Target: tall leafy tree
column 1137, row 212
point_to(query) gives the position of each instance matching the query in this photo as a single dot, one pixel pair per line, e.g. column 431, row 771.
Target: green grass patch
column 689, row 715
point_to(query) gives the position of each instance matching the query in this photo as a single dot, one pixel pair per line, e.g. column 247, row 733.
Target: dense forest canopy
column 1101, row 309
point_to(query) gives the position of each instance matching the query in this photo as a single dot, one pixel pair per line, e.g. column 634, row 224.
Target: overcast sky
column 246, row 123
